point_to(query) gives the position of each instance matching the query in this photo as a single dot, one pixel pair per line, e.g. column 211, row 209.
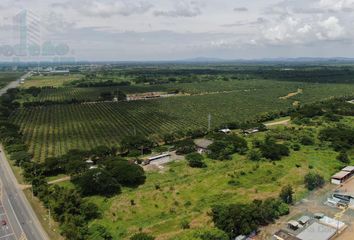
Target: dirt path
column 299, row 91
column 282, row 122
column 64, row 179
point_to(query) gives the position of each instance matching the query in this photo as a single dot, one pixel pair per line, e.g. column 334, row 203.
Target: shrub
column 313, row 181
column 343, row 157
column 142, row 236
column 195, row 160
column 286, row 194
column 254, row 155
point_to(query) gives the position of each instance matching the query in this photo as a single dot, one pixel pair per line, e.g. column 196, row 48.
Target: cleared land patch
column 299, row 91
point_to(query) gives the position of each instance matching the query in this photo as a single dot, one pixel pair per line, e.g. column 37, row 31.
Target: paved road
column 19, row 213
column 13, row 84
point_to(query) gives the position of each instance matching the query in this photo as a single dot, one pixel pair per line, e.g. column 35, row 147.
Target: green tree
column 97, row 182
column 313, row 181
column 343, row 157
column 195, row 160
column 125, row 172
column 286, row 194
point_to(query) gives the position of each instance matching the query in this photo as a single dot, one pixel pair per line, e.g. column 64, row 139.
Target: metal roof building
column 340, row 177
column 317, row 231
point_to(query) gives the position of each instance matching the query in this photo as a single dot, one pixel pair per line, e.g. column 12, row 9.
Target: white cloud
column 337, row 5
column 106, row 8
column 181, row 9
column 331, row 29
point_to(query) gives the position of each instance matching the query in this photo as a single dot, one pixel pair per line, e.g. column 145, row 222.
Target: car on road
column 3, row 223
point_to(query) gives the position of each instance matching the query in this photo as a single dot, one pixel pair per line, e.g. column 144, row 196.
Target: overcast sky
column 181, row 29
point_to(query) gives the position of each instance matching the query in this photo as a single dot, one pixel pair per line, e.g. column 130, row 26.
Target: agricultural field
column 53, row 130
column 7, row 77
column 50, row 81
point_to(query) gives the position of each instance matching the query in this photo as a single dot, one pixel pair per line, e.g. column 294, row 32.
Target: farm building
column 251, row 131
column 225, row 130
column 304, row 220
column 331, row 222
column 349, row 169
column 202, row 145
column 159, row 159
column 283, row 235
column 317, row 231
column 294, row 225
column 340, row 177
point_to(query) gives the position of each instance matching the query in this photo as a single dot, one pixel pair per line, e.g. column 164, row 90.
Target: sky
column 141, row 30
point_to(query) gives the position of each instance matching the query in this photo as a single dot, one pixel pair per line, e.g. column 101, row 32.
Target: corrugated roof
column 293, row 223
column 331, row 222
column 284, row 235
column 202, row 142
column 348, row 169
column 317, row 231
column 341, row 175
column 304, row 219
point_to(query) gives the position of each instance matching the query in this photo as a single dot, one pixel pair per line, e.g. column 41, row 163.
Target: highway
column 17, row 218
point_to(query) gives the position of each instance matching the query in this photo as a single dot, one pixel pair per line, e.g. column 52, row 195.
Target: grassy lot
column 50, row 81
column 183, row 193
column 7, row 77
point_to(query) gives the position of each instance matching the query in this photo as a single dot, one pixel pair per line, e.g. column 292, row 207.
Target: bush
column 212, row 234
column 254, row 155
column 142, row 236
column 343, row 157
column 195, row 160
column 273, row 151
column 313, row 181
column 185, row 224
column 185, row 147
column 296, row 147
column 306, row 140
column 286, row 194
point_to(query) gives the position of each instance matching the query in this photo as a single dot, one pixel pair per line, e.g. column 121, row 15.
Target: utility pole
column 49, row 218
column 209, row 122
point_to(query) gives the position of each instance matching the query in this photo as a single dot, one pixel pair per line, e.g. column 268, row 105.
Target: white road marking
column 18, row 222
column 8, row 235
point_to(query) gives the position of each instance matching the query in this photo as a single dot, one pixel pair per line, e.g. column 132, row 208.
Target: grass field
column 7, row 77
column 53, row 130
column 50, row 81
column 184, row 193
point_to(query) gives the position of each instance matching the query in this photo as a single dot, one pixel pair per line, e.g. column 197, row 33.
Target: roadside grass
column 42, row 213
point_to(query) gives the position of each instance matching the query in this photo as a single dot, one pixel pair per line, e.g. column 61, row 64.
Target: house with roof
column 343, row 175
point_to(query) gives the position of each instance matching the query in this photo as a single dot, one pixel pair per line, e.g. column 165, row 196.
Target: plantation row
column 64, row 94
column 51, row 131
